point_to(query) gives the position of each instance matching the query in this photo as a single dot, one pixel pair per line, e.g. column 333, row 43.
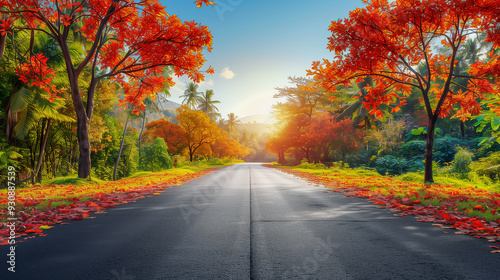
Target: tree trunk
column 120, row 151
column 84, row 145
column 281, row 158
column 82, row 129
column 40, row 155
column 462, row 129
column 82, row 119
column 140, row 134
column 428, row 150
column 11, row 120
column 3, row 40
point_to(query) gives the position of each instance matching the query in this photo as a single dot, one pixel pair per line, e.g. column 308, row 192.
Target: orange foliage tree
column 170, row 132
column 329, row 134
column 129, row 41
column 228, row 147
column 277, row 145
column 199, row 131
column 316, row 139
column 388, row 40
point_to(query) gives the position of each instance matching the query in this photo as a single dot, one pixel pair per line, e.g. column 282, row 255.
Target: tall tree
column 133, row 39
column 172, row 134
column 199, row 131
column 207, row 105
column 301, row 99
column 387, row 40
column 192, row 97
column 232, row 123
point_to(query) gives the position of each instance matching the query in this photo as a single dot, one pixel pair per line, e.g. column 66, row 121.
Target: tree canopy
column 388, row 40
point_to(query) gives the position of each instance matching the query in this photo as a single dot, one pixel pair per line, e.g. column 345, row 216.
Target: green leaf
column 419, row 131
column 480, row 118
column 3, row 157
column 495, row 123
column 21, row 99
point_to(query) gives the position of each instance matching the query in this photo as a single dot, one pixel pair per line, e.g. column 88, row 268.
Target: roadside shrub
column 392, row 165
column 340, row 164
column 445, row 148
column 214, row 161
column 364, row 158
column 488, row 166
column 414, row 149
column 461, row 161
column 155, row 157
column 305, row 164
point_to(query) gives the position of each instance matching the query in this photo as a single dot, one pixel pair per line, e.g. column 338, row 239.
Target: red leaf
column 446, row 216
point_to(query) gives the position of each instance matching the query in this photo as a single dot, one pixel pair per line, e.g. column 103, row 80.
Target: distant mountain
column 169, row 104
column 258, row 118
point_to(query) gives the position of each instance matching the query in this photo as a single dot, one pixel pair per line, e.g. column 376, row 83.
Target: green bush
column 340, row 164
column 364, row 158
column 305, row 164
column 461, row 161
column 9, row 156
column 414, row 149
column 390, row 164
column 215, row 161
column 488, row 166
column 445, row 148
column 155, row 157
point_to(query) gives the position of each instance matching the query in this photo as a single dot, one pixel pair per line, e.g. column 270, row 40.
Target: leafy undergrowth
column 41, row 207
column 468, row 210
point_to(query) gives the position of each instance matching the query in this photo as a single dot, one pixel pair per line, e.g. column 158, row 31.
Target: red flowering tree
column 170, row 132
column 129, row 41
column 388, row 40
column 330, row 134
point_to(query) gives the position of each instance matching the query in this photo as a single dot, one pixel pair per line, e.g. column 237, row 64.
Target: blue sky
column 257, row 45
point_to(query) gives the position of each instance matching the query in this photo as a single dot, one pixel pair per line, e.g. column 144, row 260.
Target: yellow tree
column 228, row 147
column 198, row 129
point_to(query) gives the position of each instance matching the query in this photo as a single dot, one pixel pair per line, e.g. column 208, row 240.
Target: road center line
column 250, row 221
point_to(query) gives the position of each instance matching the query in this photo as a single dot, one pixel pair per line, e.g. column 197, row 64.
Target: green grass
column 473, row 180
column 353, row 172
column 455, row 180
column 185, row 167
column 73, row 180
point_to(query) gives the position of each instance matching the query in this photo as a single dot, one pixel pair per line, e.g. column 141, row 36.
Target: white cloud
column 227, row 74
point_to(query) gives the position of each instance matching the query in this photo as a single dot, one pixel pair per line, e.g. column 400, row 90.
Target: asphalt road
column 251, row 222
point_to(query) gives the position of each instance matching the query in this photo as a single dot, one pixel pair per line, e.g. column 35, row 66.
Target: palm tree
column 232, row 122
column 191, row 96
column 29, row 109
column 222, row 124
column 207, row 105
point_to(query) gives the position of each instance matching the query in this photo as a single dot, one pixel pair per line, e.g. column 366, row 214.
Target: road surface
column 251, row 222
